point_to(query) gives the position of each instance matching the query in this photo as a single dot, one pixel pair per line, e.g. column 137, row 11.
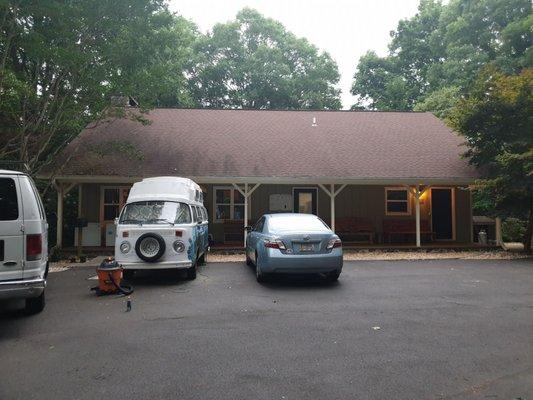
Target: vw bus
column 163, row 225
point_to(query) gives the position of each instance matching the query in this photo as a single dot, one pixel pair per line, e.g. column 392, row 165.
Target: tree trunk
column 529, row 233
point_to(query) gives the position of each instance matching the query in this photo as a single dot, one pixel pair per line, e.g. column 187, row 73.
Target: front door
column 305, row 200
column 442, row 213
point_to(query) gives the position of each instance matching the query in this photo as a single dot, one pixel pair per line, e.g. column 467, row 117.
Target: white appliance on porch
column 110, row 230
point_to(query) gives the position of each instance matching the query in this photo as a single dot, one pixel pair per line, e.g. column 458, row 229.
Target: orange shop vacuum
column 110, row 278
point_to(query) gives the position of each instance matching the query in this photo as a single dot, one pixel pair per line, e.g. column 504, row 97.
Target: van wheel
column 34, row 305
column 202, row 259
column 191, row 271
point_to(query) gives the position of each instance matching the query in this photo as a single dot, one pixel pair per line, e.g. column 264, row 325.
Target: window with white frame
column 397, row 201
column 228, row 204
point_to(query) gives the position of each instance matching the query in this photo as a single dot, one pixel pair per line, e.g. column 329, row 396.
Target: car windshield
column 296, row 223
column 156, row 212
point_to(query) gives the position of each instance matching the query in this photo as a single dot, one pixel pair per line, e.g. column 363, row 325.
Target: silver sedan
column 293, row 243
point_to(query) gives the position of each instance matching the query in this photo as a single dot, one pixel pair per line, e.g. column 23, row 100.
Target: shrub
column 513, row 230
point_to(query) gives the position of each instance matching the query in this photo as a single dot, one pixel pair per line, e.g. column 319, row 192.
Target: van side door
column 11, row 229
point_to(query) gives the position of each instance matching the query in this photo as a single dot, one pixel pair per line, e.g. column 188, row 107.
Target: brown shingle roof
column 250, row 143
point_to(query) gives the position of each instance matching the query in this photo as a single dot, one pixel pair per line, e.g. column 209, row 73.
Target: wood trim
column 450, row 181
column 231, row 204
column 409, row 201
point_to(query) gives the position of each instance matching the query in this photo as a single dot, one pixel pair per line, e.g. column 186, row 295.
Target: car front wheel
column 333, row 276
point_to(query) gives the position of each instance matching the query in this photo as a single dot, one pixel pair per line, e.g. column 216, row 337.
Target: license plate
column 306, row 247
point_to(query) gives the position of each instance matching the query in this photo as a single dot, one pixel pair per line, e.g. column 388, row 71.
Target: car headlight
column 125, row 247
column 179, row 246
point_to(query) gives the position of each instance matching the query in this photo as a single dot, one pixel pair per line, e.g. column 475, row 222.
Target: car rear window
column 296, row 223
column 9, row 208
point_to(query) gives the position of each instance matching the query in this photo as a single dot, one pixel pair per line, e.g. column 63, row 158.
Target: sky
column 346, row 29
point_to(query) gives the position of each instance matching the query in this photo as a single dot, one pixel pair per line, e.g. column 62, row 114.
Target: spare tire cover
column 150, row 247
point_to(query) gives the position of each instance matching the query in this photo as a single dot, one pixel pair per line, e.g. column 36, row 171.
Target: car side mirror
column 248, row 229
column 116, row 221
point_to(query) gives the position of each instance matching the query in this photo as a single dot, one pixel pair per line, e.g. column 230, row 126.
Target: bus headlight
column 179, row 246
column 125, row 247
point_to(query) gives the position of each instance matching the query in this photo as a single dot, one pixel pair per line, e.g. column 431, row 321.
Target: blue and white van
column 163, row 225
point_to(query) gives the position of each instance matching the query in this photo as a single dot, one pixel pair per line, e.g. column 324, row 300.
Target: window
column 259, row 226
column 297, row 223
column 229, row 204
column 397, row 201
column 9, row 208
column 113, row 199
column 156, row 212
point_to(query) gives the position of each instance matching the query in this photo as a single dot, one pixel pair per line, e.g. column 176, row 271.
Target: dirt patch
column 377, row 255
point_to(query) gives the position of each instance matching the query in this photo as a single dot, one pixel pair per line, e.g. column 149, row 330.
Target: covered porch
column 365, row 214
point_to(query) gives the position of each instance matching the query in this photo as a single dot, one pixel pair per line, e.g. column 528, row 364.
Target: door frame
column 101, row 206
column 315, row 189
column 452, row 190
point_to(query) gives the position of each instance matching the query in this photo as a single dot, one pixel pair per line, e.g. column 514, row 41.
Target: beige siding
column 90, row 196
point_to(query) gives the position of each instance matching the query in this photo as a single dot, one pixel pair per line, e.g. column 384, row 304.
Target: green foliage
column 496, row 119
column 254, row 62
column 440, row 51
column 513, row 230
column 60, row 63
column 441, row 102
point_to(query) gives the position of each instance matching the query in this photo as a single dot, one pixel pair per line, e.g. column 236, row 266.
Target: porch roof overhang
column 274, row 180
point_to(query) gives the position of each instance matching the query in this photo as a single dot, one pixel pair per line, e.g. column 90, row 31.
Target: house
column 375, row 177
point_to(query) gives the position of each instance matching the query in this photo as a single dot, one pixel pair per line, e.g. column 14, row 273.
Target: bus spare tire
column 150, row 247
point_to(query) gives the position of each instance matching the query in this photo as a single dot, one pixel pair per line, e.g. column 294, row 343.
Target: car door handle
column 10, row 263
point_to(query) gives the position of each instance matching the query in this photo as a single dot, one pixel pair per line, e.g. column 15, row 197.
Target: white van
column 23, row 241
column 162, row 225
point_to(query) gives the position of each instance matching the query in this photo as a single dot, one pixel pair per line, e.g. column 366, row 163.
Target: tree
column 496, row 119
column 254, row 62
column 60, row 62
column 442, row 49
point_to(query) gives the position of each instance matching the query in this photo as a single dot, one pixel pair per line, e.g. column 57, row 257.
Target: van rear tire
column 192, row 271
column 202, row 259
column 35, row 305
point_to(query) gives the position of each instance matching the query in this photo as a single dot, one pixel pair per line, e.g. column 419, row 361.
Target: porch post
column 417, row 202
column 332, row 207
column 332, row 194
column 59, row 222
column 247, row 193
column 498, row 229
column 245, row 211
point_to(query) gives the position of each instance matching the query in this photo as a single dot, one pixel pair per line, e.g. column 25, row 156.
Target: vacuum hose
column 125, row 290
